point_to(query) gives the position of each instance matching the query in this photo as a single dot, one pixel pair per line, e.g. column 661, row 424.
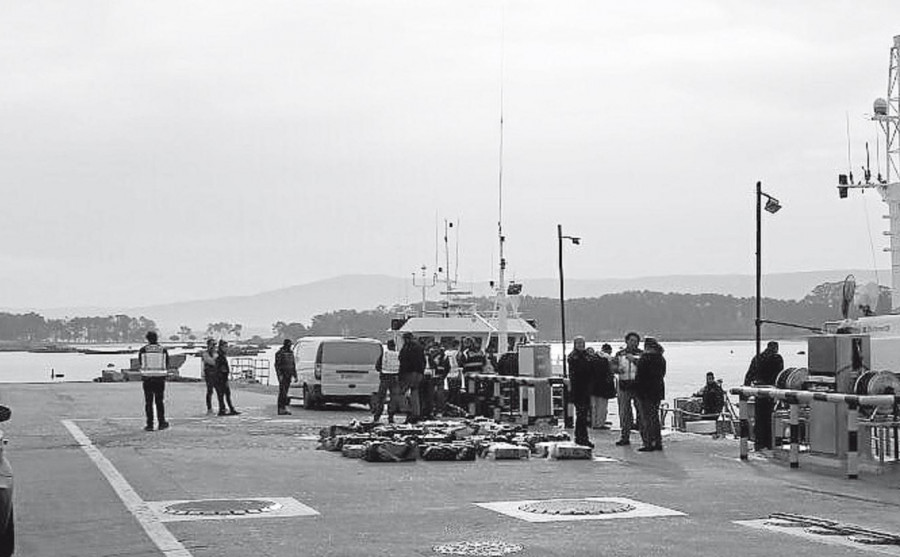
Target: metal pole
column 744, row 425
column 562, row 322
column 758, row 263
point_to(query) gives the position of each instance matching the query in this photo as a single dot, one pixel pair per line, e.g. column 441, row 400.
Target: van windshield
column 350, row 353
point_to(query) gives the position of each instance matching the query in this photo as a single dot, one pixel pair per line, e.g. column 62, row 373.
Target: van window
column 350, row 353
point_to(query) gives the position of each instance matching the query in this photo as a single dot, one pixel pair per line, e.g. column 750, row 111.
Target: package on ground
column 506, row 451
column 335, row 430
column 707, row 427
column 448, row 451
column 390, row 451
column 567, row 450
column 353, row 451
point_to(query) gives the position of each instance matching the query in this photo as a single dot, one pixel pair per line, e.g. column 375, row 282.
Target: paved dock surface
column 90, row 483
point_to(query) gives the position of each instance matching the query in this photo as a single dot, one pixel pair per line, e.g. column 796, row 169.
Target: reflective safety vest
column 153, row 361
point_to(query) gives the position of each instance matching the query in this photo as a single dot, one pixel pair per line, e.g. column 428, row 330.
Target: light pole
column 562, row 317
column 772, row 206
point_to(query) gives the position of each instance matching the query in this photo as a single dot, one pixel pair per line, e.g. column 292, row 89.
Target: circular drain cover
column 576, row 507
column 479, row 549
column 218, row 507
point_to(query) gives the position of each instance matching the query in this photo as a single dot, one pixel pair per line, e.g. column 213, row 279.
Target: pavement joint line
column 155, row 529
column 841, row 541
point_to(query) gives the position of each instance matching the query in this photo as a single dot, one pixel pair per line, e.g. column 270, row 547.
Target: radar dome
column 880, row 106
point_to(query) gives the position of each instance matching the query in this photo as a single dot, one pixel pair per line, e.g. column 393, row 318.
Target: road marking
column 639, row 510
column 146, row 517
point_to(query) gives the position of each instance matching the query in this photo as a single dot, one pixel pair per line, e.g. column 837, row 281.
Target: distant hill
column 300, row 303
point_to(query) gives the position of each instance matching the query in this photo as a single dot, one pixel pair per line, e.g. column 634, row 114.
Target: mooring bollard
column 795, row 435
column 745, row 425
column 852, row 439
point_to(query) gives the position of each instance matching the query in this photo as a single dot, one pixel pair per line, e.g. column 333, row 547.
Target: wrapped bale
column 353, row 451
column 390, row 451
column 566, row 450
column 506, row 451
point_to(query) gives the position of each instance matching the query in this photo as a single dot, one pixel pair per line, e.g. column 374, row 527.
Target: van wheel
column 308, row 402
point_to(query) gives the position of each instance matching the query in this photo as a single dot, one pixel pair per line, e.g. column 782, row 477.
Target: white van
column 337, row 369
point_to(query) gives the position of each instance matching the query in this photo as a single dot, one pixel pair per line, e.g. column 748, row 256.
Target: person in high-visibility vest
column 154, row 361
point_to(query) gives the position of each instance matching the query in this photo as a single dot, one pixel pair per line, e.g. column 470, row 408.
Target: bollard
column 470, row 388
column 745, row 425
column 795, row 435
column 852, row 439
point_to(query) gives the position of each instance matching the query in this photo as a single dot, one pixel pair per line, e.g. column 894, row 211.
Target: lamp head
column 772, row 205
column 576, row 241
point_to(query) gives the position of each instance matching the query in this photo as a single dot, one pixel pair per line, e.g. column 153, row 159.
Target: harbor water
column 687, row 363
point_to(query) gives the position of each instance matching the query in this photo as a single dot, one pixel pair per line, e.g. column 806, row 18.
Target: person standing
column 581, row 371
column 209, row 371
column 712, row 396
column 154, row 362
column 286, row 370
column 603, row 387
column 412, row 370
column 626, row 368
column 762, row 372
column 388, row 384
column 223, row 390
column 650, row 390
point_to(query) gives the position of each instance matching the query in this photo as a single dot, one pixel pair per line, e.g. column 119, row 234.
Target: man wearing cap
column 286, row 370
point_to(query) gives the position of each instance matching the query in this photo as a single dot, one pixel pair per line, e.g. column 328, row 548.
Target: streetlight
column 562, row 316
column 772, row 206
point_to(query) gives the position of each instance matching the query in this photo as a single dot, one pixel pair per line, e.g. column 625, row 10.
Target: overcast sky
column 165, row 151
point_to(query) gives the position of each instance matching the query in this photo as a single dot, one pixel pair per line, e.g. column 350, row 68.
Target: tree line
column 32, row 327
column 668, row 316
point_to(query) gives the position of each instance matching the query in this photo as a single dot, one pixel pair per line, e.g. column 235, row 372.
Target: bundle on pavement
column 448, row 440
column 391, row 451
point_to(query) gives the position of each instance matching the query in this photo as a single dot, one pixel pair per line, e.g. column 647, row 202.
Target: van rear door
column 348, row 367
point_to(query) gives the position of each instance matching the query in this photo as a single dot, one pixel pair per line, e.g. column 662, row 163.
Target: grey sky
column 165, row 151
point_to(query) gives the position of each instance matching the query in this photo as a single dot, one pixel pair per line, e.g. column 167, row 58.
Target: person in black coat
column 603, row 387
column 650, row 389
column 412, row 371
column 763, row 370
column 581, row 372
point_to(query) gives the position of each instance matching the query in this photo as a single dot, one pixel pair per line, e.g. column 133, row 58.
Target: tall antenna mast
column 502, row 336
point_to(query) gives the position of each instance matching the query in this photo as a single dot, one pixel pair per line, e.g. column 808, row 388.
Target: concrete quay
column 90, row 483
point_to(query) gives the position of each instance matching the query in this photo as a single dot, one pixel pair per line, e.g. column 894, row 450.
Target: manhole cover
column 218, row 507
column 479, row 549
column 576, row 507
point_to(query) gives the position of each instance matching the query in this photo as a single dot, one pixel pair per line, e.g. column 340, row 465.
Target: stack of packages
column 450, row 440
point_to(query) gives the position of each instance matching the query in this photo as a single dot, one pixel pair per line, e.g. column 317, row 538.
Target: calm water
column 687, row 363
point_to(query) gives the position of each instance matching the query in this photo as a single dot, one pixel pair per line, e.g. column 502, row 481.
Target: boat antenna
column 502, row 336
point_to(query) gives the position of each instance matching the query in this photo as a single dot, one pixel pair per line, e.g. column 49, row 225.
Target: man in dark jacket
column 286, row 370
column 412, row 370
column 712, row 396
column 763, row 371
column 581, row 372
column 650, row 390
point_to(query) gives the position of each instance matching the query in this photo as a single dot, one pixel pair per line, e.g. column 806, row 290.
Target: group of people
column 422, row 380
column 634, row 376
column 154, row 365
